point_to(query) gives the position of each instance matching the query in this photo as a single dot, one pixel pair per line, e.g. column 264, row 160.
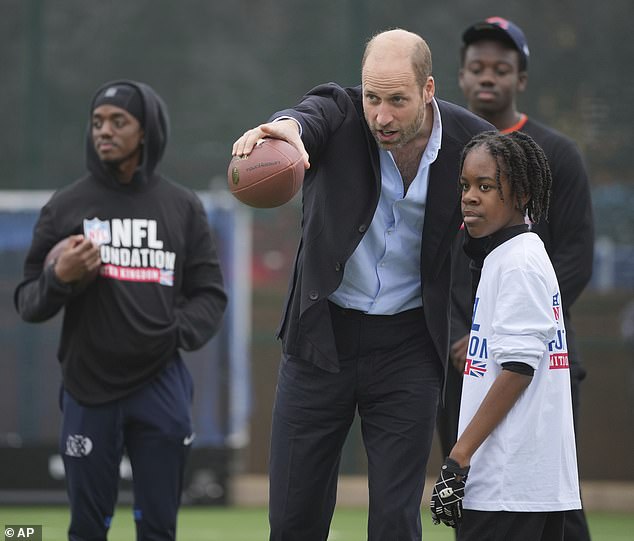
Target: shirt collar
column 435, row 137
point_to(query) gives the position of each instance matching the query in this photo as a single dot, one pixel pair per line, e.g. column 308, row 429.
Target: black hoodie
column 160, row 286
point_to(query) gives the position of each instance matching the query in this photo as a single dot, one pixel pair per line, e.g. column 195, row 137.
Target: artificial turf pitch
column 250, row 524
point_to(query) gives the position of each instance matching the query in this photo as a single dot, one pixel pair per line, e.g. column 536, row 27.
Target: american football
column 268, row 177
column 56, row 251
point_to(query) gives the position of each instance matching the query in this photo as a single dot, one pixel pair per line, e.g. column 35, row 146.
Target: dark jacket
column 568, row 233
column 340, row 194
column 151, row 298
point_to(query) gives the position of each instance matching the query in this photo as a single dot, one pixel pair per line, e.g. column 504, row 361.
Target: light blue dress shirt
column 383, row 274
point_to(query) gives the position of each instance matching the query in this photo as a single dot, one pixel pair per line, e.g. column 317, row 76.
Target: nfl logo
column 96, row 231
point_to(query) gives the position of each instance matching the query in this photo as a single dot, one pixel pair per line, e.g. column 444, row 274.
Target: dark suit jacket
column 340, row 194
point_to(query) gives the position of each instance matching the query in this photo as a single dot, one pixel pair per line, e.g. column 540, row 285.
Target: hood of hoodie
column 156, row 128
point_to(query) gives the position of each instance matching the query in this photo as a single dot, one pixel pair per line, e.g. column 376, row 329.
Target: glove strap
column 452, row 466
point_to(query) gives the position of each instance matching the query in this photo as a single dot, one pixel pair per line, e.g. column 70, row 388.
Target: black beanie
column 124, row 96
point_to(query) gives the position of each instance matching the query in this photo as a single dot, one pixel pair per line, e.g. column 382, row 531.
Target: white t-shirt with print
column 528, row 463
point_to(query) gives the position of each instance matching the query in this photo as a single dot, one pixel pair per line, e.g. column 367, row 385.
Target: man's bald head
column 396, row 44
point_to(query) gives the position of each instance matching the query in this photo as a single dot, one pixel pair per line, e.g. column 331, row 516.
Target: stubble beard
column 408, row 134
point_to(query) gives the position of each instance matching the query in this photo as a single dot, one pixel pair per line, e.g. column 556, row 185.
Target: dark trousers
column 153, row 425
column 391, row 374
column 508, row 526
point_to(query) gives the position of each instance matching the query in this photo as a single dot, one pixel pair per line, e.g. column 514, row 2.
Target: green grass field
column 241, row 524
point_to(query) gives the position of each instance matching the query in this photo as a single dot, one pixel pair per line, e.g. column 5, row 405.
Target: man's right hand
column 80, row 258
column 458, row 353
column 286, row 129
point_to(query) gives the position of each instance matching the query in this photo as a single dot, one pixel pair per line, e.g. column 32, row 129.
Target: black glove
column 446, row 497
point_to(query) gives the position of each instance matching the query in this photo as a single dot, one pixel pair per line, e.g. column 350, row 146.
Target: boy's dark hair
column 525, row 165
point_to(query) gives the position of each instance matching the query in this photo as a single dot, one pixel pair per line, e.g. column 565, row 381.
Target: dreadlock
column 525, row 165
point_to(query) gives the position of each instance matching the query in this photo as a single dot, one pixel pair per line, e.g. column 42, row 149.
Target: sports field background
column 247, row 519
column 250, row 524
column 278, row 51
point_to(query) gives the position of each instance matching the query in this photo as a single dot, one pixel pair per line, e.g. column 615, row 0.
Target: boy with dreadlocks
column 515, row 435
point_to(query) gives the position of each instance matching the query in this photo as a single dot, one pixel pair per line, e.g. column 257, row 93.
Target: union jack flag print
column 476, row 368
column 166, row 277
